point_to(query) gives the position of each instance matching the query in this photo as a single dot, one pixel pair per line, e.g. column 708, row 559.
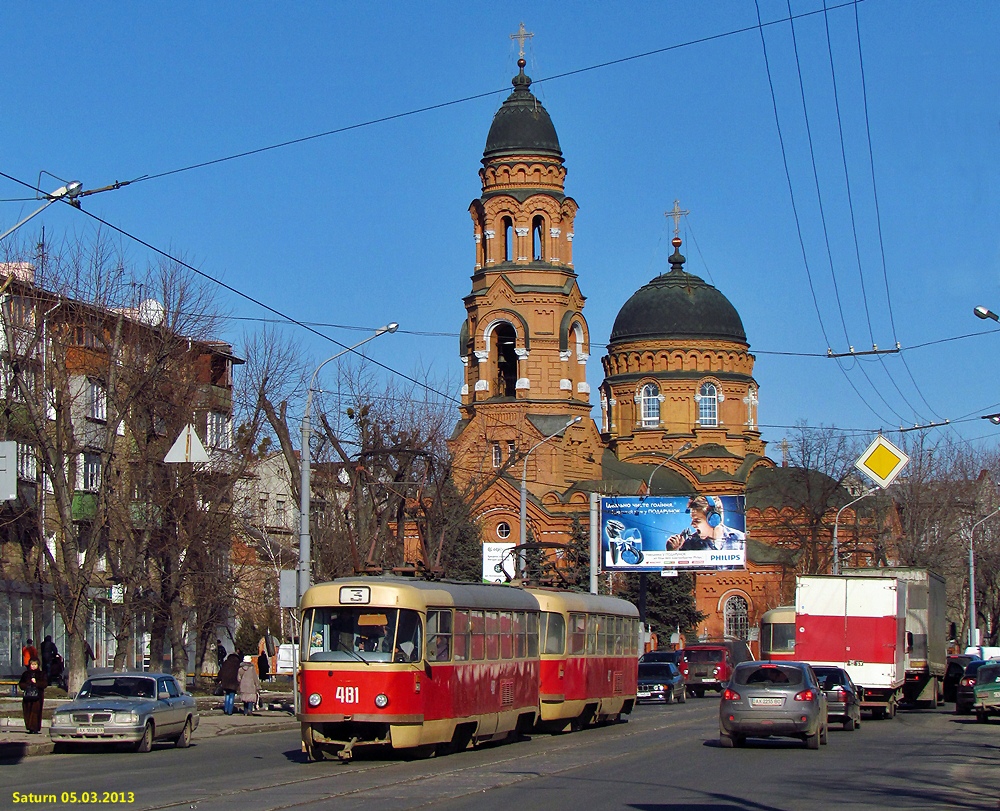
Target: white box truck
column 859, row 624
column 926, row 632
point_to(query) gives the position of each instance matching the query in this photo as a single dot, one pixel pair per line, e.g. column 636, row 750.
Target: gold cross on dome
column 521, row 35
column 677, row 213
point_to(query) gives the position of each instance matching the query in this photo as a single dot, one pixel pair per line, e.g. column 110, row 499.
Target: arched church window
column 737, row 616
column 708, row 405
column 649, row 402
column 508, row 239
column 537, row 240
column 505, row 360
column 751, row 401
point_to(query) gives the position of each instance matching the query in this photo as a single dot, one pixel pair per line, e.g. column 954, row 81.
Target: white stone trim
column 522, row 383
column 482, row 355
column 565, row 354
column 555, row 232
column 489, row 233
column 583, row 388
column 465, row 389
column 566, row 384
column 521, row 232
column 478, row 238
column 521, row 352
column 570, row 236
column 582, row 358
column 482, row 385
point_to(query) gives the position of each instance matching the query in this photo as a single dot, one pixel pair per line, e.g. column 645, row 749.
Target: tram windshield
column 355, row 633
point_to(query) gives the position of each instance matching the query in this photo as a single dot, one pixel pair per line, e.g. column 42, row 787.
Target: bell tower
column 524, row 343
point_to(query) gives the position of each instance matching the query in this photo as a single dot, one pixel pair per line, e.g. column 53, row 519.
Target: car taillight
column 805, row 695
column 730, row 695
column 967, row 682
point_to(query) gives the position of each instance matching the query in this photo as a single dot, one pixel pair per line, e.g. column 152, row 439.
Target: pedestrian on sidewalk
column 32, row 686
column 28, row 652
column 49, row 653
column 249, row 684
column 263, row 665
column 229, row 681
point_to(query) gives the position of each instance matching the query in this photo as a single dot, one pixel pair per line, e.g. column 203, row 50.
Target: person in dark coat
column 229, row 681
column 33, row 686
column 263, row 666
column 49, row 652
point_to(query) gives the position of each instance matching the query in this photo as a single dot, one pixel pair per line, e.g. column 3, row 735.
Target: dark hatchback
column 843, row 697
column 661, row 682
column 965, row 696
column 953, row 674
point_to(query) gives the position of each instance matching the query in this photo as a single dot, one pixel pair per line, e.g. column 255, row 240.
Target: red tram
column 435, row 666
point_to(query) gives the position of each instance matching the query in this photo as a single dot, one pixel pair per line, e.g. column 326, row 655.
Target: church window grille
column 497, row 456
column 708, row 405
column 737, row 616
column 650, row 405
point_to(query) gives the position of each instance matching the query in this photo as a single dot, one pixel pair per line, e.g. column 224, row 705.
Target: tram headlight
column 314, row 699
column 381, row 701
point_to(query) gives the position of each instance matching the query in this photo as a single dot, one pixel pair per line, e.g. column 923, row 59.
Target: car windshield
column 768, row 675
column 703, row 656
column 988, row 673
column 654, row 671
column 118, row 687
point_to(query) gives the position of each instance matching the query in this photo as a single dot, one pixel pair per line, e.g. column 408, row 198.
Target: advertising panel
column 647, row 534
column 499, row 562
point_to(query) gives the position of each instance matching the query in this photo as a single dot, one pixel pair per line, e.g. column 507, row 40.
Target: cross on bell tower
column 521, row 35
column 676, row 213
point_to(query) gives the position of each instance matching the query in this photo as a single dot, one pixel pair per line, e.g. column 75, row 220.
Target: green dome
column 521, row 126
column 677, row 305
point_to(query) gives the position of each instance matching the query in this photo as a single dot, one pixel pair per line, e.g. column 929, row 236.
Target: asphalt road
column 663, row 759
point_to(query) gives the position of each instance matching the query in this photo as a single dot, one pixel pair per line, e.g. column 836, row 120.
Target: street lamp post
column 524, row 483
column 305, row 552
column 69, row 192
column 972, row 578
column 836, row 523
column 684, row 447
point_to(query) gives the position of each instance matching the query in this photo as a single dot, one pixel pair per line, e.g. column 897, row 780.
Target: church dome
column 677, row 304
column 522, row 126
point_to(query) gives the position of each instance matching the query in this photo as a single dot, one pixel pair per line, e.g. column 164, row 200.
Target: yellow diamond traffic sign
column 882, row 461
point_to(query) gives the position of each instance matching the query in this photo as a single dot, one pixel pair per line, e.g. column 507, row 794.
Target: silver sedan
column 773, row 698
column 127, row 708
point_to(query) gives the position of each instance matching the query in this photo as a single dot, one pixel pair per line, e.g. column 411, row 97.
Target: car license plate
column 766, row 702
column 91, row 730
column 642, row 694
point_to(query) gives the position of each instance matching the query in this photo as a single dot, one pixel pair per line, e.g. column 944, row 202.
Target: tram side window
column 602, row 636
column 492, row 635
column 532, row 635
column 619, row 636
column 577, row 634
column 632, row 634
column 506, row 636
column 520, row 632
column 438, row 635
column 477, row 630
column 553, row 633
column 409, row 645
column 592, row 623
column 460, row 639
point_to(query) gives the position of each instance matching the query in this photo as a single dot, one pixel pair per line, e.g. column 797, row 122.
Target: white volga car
column 127, row 708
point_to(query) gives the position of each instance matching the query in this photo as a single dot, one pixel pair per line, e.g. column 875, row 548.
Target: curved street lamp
column 681, row 449
column 836, row 522
column 524, row 483
column 305, row 539
column 69, row 192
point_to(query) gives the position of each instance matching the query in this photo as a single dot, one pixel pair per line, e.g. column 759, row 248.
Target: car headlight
column 127, row 717
column 314, row 699
column 381, row 701
column 657, row 686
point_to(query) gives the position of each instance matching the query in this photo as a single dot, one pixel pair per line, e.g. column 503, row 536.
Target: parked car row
column 978, row 689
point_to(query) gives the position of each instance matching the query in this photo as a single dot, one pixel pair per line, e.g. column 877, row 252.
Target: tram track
column 381, row 781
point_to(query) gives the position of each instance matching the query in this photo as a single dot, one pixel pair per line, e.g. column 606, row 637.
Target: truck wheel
column 699, row 691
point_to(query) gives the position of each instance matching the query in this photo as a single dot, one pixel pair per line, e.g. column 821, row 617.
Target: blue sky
column 370, row 225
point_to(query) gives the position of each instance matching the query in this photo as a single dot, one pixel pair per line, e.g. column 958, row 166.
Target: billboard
column 499, row 562
column 648, row 534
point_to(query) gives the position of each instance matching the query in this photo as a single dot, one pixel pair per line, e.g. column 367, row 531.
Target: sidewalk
column 277, row 713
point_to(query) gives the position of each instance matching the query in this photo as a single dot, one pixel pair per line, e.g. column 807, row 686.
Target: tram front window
column 352, row 633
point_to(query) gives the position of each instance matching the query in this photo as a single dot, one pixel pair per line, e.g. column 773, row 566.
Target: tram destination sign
column 649, row 534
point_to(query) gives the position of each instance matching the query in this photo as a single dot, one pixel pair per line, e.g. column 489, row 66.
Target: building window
column 708, row 405
column 649, row 402
column 497, row 455
column 91, row 472
column 217, row 435
column 97, row 401
column 751, row 401
column 737, row 614
column 508, row 239
column 503, row 530
column 27, row 463
column 262, row 509
column 511, row 448
column 279, row 511
column 537, row 241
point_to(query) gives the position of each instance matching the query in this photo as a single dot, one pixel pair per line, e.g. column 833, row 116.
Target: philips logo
column 724, row 558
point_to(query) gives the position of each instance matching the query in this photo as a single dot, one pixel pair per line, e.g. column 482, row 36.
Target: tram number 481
column 347, row 695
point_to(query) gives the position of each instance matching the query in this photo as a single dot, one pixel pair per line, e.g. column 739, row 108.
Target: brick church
column 678, row 397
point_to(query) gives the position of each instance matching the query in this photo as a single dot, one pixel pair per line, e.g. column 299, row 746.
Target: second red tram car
column 432, row 665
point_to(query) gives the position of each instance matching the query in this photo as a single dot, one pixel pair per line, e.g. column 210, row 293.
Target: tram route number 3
column 347, row 695
column 355, row 595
